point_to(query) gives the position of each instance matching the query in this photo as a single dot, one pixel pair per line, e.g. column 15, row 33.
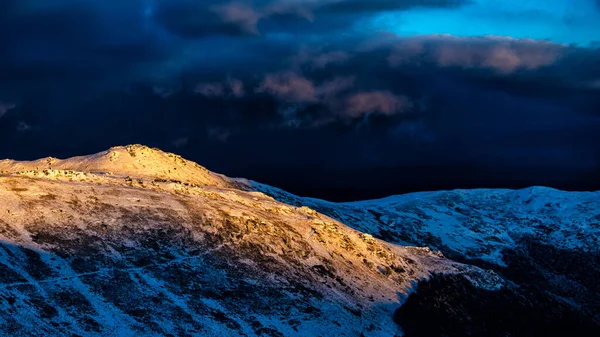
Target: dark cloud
column 251, row 79
column 210, row 89
column 329, row 90
column 335, row 94
column 194, row 19
column 383, row 102
column 362, row 6
column 289, row 87
column 230, row 88
column 189, row 18
column 319, row 60
column 294, row 88
column 75, row 43
column 219, row 134
column 504, row 55
column 5, row 107
column 237, row 87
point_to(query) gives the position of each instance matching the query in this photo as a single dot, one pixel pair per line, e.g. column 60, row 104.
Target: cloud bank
column 280, row 76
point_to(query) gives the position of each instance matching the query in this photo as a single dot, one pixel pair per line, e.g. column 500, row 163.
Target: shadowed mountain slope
column 542, row 241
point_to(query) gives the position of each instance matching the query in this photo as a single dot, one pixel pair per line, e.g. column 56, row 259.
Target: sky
column 559, row 21
column 339, row 99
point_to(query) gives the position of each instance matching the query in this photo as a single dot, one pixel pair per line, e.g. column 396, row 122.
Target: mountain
column 137, row 242
column 543, row 242
column 138, row 160
column 134, row 241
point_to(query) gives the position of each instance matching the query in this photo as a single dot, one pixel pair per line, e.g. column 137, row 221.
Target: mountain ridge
column 142, row 251
column 136, row 241
column 135, row 160
column 543, row 240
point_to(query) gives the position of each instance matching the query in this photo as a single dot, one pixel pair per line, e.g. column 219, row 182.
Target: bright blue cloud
column 561, row 21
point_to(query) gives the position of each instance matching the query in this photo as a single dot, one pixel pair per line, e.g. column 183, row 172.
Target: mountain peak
column 130, row 160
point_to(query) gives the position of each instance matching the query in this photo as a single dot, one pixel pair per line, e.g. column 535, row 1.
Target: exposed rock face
column 136, row 242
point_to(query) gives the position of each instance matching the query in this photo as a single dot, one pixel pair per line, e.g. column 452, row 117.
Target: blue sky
column 561, row 21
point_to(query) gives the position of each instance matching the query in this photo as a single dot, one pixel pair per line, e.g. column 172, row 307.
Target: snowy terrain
column 544, row 241
column 137, row 242
column 477, row 224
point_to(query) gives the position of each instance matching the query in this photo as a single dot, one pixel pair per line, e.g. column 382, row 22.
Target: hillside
column 132, row 160
column 544, row 241
column 137, row 242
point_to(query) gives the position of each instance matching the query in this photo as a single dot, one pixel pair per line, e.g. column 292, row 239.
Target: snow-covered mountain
column 137, row 242
column 476, row 224
column 138, row 160
column 544, row 241
column 134, row 241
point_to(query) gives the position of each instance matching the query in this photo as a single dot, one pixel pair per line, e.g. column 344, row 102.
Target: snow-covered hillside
column 477, row 224
column 543, row 240
column 137, row 160
column 137, row 242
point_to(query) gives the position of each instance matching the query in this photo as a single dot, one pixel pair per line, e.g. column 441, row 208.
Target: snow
column 146, row 243
column 477, row 224
column 150, row 225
